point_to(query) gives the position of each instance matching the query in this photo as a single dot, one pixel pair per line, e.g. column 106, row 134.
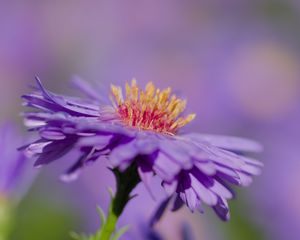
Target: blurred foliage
column 241, row 226
column 40, row 218
column 278, row 9
column 97, row 236
column 6, row 214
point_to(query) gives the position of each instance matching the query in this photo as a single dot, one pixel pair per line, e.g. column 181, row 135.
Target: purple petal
column 146, row 143
column 221, row 190
column 251, row 169
column 160, row 211
column 170, row 188
column 178, row 203
column 222, row 209
column 99, row 141
column 178, row 151
column 46, row 100
column 123, row 155
column 228, row 142
column 208, row 152
column 72, row 173
column 35, row 148
column 191, row 199
column 230, row 179
column 246, row 180
column 203, row 193
column 54, row 151
column 165, row 167
column 227, row 171
column 146, row 175
column 52, row 135
column 207, row 168
column 253, row 162
column 88, row 157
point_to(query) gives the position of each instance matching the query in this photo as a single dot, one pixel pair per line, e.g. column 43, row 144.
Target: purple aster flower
column 141, row 129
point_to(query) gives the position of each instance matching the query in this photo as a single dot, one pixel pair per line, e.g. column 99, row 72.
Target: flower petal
column 228, row 142
column 55, row 150
column 203, row 193
column 222, row 209
column 166, row 168
column 122, row 155
column 160, row 211
column 221, row 190
column 191, row 199
column 177, row 152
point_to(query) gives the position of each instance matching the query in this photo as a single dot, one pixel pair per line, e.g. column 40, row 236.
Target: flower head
column 141, row 129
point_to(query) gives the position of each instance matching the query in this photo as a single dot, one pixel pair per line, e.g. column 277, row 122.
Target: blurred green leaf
column 77, row 236
column 6, row 215
column 120, row 233
column 242, row 224
column 38, row 217
column 101, row 215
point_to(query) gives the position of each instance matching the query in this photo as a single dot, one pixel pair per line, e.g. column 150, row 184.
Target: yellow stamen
column 150, row 109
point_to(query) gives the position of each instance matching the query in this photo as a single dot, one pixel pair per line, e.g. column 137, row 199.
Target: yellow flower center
column 150, row 109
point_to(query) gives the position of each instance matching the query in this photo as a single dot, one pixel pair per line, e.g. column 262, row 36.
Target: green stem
column 126, row 182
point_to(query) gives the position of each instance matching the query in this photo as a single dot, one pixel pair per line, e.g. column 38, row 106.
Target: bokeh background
column 237, row 62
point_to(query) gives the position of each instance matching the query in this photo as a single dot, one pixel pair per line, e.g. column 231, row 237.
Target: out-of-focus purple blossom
column 14, row 172
column 149, row 233
column 193, row 168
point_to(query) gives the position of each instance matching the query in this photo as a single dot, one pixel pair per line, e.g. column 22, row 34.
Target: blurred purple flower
column 149, row 233
column 14, row 174
column 142, row 130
